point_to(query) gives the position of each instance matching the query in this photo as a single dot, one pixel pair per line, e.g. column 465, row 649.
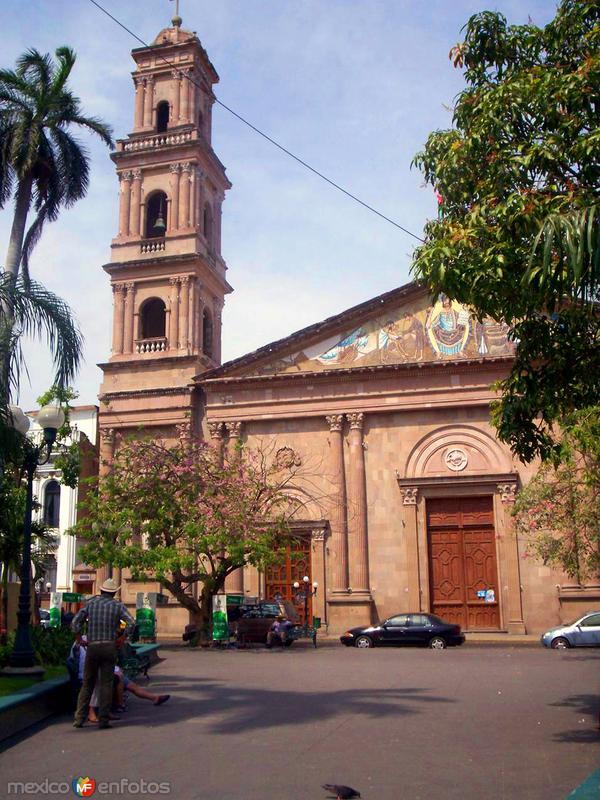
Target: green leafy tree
column 188, row 517
column 517, row 236
column 558, row 512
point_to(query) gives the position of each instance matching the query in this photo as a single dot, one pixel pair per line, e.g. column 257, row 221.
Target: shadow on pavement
column 587, row 705
column 227, row 709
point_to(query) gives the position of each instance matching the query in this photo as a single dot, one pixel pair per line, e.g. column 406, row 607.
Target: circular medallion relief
column 456, row 459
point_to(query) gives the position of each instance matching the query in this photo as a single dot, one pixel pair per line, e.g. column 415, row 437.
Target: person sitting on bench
column 279, row 632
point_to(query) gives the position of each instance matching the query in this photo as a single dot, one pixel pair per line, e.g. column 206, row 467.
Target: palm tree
column 37, row 313
column 39, row 158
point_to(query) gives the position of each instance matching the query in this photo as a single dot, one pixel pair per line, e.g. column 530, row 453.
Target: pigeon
column 341, row 792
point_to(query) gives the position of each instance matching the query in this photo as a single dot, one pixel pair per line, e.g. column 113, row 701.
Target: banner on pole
column 54, row 610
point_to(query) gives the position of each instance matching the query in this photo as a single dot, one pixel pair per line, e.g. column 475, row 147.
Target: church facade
column 385, row 405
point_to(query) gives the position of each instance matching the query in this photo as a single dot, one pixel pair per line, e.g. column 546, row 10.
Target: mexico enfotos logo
column 88, row 787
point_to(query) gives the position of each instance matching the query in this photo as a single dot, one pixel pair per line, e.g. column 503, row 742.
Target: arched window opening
column 201, row 121
column 207, row 224
column 152, row 319
column 207, row 333
column 162, row 116
column 52, row 504
column 156, row 212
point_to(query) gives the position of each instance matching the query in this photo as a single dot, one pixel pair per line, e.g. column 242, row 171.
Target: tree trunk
column 17, row 233
column 11, row 268
column 4, row 624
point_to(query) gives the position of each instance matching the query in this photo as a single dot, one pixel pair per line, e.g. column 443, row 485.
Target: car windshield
column 437, row 620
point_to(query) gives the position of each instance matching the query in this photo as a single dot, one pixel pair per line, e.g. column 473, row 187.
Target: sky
column 353, row 87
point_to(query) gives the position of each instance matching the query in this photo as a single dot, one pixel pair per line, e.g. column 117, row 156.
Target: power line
column 261, row 133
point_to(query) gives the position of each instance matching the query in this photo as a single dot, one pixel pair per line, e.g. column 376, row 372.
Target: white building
column 59, row 503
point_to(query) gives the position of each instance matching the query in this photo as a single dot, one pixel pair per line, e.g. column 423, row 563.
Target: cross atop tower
column 176, row 19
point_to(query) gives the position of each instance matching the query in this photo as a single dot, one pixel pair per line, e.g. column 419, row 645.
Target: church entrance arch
column 463, row 572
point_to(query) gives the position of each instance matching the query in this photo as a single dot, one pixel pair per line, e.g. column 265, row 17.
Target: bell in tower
column 166, row 270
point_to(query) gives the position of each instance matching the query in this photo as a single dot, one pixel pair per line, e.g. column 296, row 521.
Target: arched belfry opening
column 207, row 333
column 162, row 116
column 153, row 316
column 156, row 215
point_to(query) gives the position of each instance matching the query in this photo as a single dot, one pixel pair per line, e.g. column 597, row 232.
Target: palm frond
column 39, row 313
column 66, row 59
column 72, row 165
column 33, row 65
column 96, row 125
column 565, row 258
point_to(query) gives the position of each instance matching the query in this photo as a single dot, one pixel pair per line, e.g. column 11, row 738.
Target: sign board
column 72, row 597
column 220, row 626
column 235, row 599
column 54, row 610
column 145, row 614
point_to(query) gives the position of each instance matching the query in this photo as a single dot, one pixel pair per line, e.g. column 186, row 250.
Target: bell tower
column 167, row 273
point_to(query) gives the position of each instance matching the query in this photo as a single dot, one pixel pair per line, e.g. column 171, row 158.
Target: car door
column 393, row 630
column 588, row 632
column 419, row 629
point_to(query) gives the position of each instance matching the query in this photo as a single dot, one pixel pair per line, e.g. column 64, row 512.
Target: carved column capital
column 335, row 422
column 186, row 167
column 136, row 174
column 234, row 429
column 215, row 430
column 174, row 281
column 139, row 82
column 410, row 495
column 507, row 492
column 356, row 420
column 107, row 435
column 149, row 79
column 125, row 176
column 184, row 430
column 175, row 168
column 175, row 73
column 129, row 285
column 184, row 280
column 318, row 534
column 118, row 288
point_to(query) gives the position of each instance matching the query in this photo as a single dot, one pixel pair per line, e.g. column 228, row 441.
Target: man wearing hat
column 103, row 615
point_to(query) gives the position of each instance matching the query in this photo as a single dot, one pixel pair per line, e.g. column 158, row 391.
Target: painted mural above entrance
column 415, row 333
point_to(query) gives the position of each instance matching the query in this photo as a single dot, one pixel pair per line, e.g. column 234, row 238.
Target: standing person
column 103, row 615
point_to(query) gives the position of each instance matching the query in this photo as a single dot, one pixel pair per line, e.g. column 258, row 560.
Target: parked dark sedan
column 423, row 629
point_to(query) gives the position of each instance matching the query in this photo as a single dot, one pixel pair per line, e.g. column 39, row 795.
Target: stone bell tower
column 167, row 273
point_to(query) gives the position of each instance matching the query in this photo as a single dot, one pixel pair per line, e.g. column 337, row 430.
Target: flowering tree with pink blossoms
column 558, row 512
column 187, row 515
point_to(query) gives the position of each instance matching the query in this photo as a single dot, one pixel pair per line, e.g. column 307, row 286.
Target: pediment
column 402, row 327
column 412, row 332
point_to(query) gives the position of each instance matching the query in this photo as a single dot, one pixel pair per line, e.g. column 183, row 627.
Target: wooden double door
column 462, row 561
column 280, row 579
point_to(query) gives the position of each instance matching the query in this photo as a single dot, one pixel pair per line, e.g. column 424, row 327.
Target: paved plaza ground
column 478, row 722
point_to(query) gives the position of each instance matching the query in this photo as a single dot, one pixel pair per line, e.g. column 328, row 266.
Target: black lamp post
column 50, row 419
column 303, row 592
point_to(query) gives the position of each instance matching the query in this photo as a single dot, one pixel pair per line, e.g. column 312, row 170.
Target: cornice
column 108, row 396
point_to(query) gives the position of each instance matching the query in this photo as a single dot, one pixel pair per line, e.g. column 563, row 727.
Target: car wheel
column 437, row 643
column 363, row 641
column 560, row 643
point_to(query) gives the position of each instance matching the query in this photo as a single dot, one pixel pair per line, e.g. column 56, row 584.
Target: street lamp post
column 304, row 592
column 50, row 419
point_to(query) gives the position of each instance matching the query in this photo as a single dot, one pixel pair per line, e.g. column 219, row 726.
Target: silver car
column 584, row 632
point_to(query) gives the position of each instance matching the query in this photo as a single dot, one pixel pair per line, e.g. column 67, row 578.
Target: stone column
column 234, row 431
column 174, row 329
column 215, row 430
column 200, row 323
column 193, row 213
column 185, row 96
column 175, row 171
column 191, row 326
column 507, row 494
column 107, row 449
column 184, row 196
column 139, row 104
column 128, row 326
column 148, row 102
column 184, row 307
column 118, row 317
column 358, row 544
column 339, row 539
column 135, row 228
column 176, row 96
column 411, row 545
column 217, row 325
column 125, row 205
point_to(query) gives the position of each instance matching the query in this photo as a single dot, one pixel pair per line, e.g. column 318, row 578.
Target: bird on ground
column 341, row 792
